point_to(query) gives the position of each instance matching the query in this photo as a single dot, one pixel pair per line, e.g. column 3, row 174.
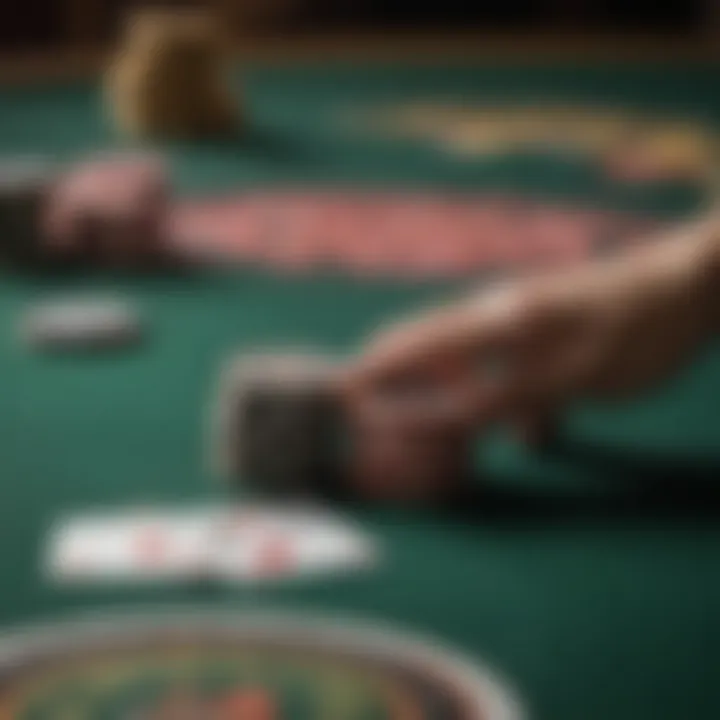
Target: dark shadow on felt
column 167, row 267
column 255, row 141
column 637, row 486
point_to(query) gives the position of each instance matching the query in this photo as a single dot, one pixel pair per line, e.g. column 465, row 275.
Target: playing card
column 236, row 544
column 267, row 545
column 142, row 545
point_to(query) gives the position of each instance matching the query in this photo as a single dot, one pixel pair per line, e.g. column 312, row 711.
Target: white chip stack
column 81, row 324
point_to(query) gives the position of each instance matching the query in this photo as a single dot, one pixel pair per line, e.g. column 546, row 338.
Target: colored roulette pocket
column 220, row 666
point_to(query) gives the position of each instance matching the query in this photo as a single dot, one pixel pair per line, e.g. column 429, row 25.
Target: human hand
column 520, row 353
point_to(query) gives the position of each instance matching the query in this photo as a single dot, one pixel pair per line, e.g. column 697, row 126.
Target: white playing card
column 236, row 544
column 135, row 545
column 266, row 545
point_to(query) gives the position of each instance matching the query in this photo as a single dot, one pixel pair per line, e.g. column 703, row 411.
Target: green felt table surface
column 590, row 578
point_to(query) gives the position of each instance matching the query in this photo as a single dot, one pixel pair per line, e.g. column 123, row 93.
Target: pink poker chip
column 419, row 236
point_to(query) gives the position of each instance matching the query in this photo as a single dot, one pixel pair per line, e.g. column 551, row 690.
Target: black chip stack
column 25, row 187
column 278, row 425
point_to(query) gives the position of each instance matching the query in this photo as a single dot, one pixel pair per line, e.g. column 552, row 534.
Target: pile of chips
column 106, row 211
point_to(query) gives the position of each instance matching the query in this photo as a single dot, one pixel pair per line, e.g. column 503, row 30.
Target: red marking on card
column 275, row 557
column 150, row 546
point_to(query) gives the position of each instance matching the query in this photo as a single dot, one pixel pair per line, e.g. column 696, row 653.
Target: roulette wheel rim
column 480, row 693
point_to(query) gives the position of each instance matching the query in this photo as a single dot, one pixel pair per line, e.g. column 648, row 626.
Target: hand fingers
column 458, row 408
column 440, row 369
column 406, row 466
column 497, row 357
column 547, row 376
column 476, row 328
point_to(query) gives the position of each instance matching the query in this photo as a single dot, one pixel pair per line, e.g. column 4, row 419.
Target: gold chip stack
column 170, row 78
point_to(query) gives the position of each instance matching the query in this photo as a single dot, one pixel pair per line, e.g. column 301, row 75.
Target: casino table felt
column 587, row 575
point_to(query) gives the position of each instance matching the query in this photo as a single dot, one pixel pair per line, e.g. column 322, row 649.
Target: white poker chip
column 88, row 324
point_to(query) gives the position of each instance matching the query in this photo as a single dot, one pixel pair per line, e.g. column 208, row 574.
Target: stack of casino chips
column 281, row 426
column 169, row 77
column 111, row 210
column 25, row 188
column 276, row 423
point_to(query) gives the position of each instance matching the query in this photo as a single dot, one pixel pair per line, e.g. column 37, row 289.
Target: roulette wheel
column 192, row 665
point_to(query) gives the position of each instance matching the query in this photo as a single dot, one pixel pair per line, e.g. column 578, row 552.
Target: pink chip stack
column 113, row 209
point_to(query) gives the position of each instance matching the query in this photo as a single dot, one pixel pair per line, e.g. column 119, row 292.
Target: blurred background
column 43, row 24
